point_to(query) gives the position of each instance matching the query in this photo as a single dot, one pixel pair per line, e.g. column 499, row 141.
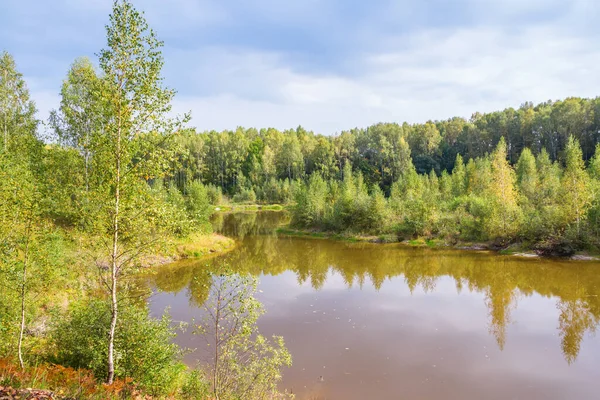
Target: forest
column 112, row 177
column 529, row 176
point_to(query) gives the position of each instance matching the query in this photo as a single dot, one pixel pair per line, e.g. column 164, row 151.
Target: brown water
column 392, row 322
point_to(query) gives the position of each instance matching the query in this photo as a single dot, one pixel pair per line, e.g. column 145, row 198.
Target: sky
column 328, row 65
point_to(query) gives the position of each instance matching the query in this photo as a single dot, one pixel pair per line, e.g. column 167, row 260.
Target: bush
column 198, row 203
column 143, row 346
column 215, row 194
column 245, row 196
column 195, row 386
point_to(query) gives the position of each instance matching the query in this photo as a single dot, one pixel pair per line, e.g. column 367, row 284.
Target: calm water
column 390, row 322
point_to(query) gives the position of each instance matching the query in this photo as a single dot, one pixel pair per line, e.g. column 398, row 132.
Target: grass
column 299, row 233
column 196, row 245
column 345, row 237
column 201, row 245
column 249, row 207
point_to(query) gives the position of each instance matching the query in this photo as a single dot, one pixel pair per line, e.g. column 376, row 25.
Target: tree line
column 262, row 161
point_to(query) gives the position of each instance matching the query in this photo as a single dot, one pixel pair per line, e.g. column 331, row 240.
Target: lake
column 387, row 321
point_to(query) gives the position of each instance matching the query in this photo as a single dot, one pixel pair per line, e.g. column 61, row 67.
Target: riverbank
column 514, row 249
column 196, row 246
column 248, row 207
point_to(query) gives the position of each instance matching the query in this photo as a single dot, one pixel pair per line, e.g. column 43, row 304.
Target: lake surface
column 386, row 321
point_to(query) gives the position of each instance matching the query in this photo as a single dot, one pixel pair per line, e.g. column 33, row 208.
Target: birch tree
column 576, row 194
column 129, row 149
column 79, row 116
column 505, row 217
column 242, row 364
column 17, row 111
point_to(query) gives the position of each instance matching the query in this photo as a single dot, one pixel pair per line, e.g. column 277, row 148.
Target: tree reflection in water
column 501, row 279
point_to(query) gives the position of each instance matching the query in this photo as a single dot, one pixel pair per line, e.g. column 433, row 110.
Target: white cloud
column 427, row 73
column 436, row 75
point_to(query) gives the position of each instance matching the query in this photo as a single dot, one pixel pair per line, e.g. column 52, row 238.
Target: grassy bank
column 198, row 245
column 248, row 207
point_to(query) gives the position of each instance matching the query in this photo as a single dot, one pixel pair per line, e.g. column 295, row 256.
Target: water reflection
column 499, row 282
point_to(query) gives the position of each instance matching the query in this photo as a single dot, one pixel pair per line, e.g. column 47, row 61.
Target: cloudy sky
column 328, row 65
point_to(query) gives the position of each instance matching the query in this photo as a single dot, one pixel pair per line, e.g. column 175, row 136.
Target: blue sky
column 328, row 65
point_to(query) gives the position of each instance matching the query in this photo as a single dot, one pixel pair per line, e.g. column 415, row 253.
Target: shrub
column 245, row 196
column 198, row 203
column 215, row 194
column 195, row 386
column 143, row 345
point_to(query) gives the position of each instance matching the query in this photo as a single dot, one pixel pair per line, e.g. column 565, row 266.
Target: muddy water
column 371, row 321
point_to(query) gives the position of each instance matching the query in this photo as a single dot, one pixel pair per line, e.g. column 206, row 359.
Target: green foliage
column 505, row 216
column 488, row 199
column 17, row 112
column 243, row 364
column 195, row 386
column 459, row 177
column 575, row 194
column 214, row 194
column 198, row 203
column 143, row 345
column 120, row 171
column 245, row 196
column 384, row 152
column 527, row 177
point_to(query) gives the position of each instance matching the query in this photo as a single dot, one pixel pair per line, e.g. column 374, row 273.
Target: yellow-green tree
column 527, row 176
column 575, row 194
column 505, row 216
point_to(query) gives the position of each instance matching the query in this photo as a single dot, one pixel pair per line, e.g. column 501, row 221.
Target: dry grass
column 204, row 245
column 55, row 381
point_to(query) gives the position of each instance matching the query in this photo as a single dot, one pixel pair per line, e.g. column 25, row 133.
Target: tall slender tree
column 79, row 116
column 505, row 216
column 17, row 111
column 128, row 151
column 527, row 176
column 576, row 195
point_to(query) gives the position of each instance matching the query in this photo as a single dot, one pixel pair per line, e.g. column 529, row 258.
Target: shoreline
column 229, row 208
column 196, row 246
column 514, row 249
